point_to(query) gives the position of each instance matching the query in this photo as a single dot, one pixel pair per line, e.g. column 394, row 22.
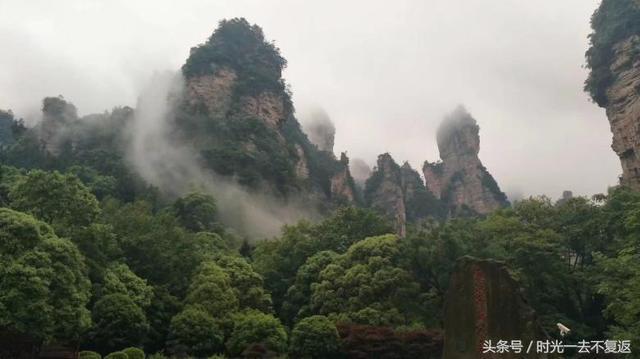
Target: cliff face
column 399, row 193
column 623, row 109
column 238, row 114
column 343, row 188
column 614, row 79
column 460, row 180
column 383, row 192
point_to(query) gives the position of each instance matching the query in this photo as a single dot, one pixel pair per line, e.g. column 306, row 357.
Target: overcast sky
column 386, row 72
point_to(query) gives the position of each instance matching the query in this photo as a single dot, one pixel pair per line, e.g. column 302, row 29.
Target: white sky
column 385, row 71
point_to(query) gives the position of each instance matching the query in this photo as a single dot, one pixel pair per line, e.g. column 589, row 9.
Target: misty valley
column 207, row 221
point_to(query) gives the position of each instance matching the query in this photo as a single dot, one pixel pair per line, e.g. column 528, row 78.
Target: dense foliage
column 612, row 22
column 93, row 255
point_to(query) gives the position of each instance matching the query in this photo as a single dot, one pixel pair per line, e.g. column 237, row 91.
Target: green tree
column 278, row 261
column 617, row 271
column 253, row 327
column 134, row 353
column 86, row 354
column 156, row 247
column 612, row 22
column 117, row 355
column 298, row 296
column 43, row 280
column 195, row 332
column 118, row 323
column 246, row 283
column 211, row 289
column 367, row 283
column 119, row 279
column 314, row 337
column 196, row 212
column 60, row 200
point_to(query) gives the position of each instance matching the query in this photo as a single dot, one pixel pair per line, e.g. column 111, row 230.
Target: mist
column 386, row 73
column 319, row 128
column 360, row 171
column 169, row 163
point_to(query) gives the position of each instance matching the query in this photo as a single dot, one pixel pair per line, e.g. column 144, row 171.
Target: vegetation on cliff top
column 612, row 22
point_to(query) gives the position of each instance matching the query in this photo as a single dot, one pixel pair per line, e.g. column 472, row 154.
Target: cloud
column 172, row 165
column 387, row 73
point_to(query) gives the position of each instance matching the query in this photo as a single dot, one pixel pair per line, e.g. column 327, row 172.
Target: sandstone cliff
column 238, row 115
column 460, row 180
column 399, row 193
column 343, row 188
column 623, row 109
column 614, row 79
column 383, row 192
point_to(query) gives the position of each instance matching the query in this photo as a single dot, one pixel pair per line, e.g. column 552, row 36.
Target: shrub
column 87, row 354
column 194, row 331
column 255, row 327
column 134, row 353
column 117, row 355
column 314, row 337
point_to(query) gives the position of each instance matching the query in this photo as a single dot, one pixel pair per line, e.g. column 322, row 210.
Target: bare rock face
column 419, row 202
column 460, row 180
column 485, row 303
column 383, row 192
column 213, row 91
column 267, row 106
column 623, row 109
column 342, row 185
column 238, row 118
column 399, row 193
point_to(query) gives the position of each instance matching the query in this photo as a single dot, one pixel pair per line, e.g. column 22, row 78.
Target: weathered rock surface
column 460, row 180
column 238, row 116
column 383, row 192
column 484, row 303
column 399, row 193
column 419, row 202
column 623, row 109
column 213, row 91
column 343, row 188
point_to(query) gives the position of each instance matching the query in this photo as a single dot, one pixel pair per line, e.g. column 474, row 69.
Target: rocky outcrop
column 419, row 202
column 623, row 108
column 238, row 116
column 212, row 91
column 485, row 303
column 460, row 180
column 343, row 188
column 267, row 106
column 399, row 194
column 383, row 192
